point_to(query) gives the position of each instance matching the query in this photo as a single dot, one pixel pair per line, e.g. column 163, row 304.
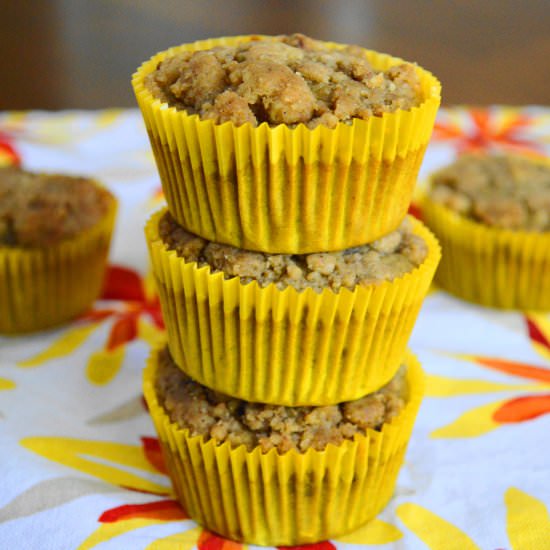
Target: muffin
column 283, row 329
column 286, row 144
column 55, row 232
column 492, row 216
column 276, row 475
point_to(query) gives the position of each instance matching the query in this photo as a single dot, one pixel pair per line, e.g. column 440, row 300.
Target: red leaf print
column 166, row 510
column 153, row 453
column 98, row 314
column 536, row 334
column 124, row 330
column 326, row 545
column 125, row 285
column 210, row 541
column 522, row 408
column 122, row 283
column 156, row 314
column 415, row 210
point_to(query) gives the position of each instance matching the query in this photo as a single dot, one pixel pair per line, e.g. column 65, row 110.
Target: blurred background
column 61, row 54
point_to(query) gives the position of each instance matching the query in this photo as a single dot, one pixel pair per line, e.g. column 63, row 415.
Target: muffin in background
column 283, row 328
column 491, row 214
column 273, row 475
column 55, row 232
column 286, row 144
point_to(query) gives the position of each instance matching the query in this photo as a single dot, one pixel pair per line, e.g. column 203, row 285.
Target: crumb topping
column 283, row 80
column 214, row 415
column 43, row 209
column 504, row 191
column 385, row 259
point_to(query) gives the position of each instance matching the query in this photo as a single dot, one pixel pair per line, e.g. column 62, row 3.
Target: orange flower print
column 533, row 402
column 8, row 152
column 529, row 406
column 134, row 312
column 486, row 129
column 157, row 197
column 211, row 541
column 167, row 510
column 521, row 408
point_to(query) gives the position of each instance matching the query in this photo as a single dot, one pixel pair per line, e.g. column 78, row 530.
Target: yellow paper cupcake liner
column 283, row 346
column 288, row 190
column 289, row 499
column 490, row 266
column 41, row 288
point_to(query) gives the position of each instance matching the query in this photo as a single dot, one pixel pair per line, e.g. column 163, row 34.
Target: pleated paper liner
column 285, row 499
column 283, row 346
column 41, row 288
column 288, row 190
column 490, row 266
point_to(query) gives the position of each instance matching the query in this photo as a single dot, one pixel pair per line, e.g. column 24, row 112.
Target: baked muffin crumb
column 216, row 416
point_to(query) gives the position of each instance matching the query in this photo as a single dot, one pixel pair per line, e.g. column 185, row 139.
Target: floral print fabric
column 81, row 466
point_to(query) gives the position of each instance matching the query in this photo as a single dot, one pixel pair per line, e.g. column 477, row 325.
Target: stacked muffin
column 289, row 277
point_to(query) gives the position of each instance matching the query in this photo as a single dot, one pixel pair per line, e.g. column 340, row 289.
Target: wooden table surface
column 61, row 54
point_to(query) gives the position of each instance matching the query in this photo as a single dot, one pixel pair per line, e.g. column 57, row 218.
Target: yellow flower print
column 527, row 521
column 527, row 525
column 434, row 531
column 6, row 384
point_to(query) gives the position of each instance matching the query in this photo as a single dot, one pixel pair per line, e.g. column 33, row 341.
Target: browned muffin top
column 385, row 259
column 504, row 191
column 283, row 80
column 38, row 210
column 214, row 415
